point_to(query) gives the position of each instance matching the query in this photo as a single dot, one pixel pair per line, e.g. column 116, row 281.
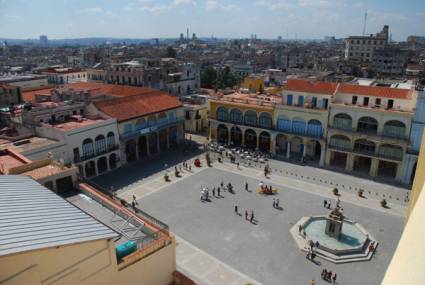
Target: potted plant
column 360, row 193
column 335, row 191
column 384, row 203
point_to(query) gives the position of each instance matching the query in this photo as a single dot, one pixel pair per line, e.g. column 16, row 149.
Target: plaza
column 264, row 251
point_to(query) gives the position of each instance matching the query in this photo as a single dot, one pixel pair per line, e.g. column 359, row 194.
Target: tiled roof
column 33, row 217
column 377, row 91
column 301, row 85
column 130, row 107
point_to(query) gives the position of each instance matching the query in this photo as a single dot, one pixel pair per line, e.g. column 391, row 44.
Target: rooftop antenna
column 364, row 23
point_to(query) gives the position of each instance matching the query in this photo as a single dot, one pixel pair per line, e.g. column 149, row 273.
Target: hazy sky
column 221, row 18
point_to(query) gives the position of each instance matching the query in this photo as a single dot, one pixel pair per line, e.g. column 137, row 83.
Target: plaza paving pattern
column 266, row 252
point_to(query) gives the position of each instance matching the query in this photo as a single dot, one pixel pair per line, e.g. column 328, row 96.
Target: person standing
column 274, row 203
column 218, row 191
column 246, row 215
column 236, row 209
column 277, row 203
column 252, row 216
column 334, row 278
column 246, row 186
column 213, row 191
column 325, row 203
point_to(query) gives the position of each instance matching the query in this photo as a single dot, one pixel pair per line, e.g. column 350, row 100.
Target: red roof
column 374, row 91
column 129, row 107
column 302, row 85
column 96, row 89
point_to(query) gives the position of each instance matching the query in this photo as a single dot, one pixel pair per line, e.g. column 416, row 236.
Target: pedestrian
column 238, row 164
column 329, row 204
column 246, row 186
column 334, row 278
column 274, row 203
column 218, row 191
column 277, row 202
column 252, row 216
column 246, row 215
column 324, row 273
column 325, row 203
column 134, row 197
column 207, row 194
column 236, row 209
column 329, row 276
column 213, row 191
column 190, row 167
column 222, row 184
column 133, row 204
column 317, row 244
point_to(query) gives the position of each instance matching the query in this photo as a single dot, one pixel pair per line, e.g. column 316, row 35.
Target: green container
column 125, row 249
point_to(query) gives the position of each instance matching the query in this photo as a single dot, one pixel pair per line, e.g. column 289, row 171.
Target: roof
column 95, row 88
column 301, row 85
column 33, row 217
column 130, row 107
column 377, row 91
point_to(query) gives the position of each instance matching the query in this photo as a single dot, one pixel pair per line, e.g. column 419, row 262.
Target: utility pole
column 364, row 23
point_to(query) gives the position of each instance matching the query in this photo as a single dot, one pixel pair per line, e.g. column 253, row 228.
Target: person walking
column 246, row 215
column 274, row 203
column 277, row 203
column 218, row 191
column 246, row 186
column 236, row 209
column 213, row 191
column 252, row 216
column 334, row 278
column 325, row 203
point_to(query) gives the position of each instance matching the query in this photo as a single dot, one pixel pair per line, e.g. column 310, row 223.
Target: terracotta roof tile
column 302, row 85
column 377, row 91
column 134, row 106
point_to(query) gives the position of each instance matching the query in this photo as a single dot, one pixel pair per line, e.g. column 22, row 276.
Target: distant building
column 43, row 40
column 416, row 40
column 242, row 70
column 389, row 61
column 253, row 83
column 64, row 75
column 362, row 48
column 25, row 82
column 9, row 95
column 195, row 113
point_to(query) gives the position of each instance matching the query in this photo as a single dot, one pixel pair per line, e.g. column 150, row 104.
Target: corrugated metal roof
column 33, row 217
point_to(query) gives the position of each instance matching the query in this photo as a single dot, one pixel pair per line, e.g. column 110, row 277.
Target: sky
column 302, row 19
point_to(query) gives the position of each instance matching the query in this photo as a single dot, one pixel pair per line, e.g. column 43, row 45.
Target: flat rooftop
column 75, row 124
column 9, row 160
column 45, row 171
column 27, row 144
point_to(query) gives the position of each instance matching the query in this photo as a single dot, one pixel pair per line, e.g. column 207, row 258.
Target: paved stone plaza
column 266, row 251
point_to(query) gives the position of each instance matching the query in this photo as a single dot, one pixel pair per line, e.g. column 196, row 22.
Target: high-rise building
column 43, row 40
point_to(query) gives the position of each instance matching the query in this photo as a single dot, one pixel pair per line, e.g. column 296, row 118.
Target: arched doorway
column 113, row 161
column 100, row 144
column 314, row 128
column 250, row 118
column 222, row 114
column 153, row 142
column 222, row 134
column 265, row 120
column 264, row 142
column 163, row 137
column 90, row 169
column 314, row 150
column 342, row 121
column 387, row 169
column 250, row 139
column 236, row 116
column 110, row 140
column 173, row 136
column 297, row 147
column 143, row 146
column 395, row 129
column 236, row 136
column 281, row 144
column 102, row 165
column 88, row 149
column 130, row 150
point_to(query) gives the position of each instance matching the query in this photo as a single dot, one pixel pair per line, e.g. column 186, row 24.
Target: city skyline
column 302, row 19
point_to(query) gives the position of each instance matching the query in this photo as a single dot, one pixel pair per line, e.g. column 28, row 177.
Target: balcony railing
column 148, row 129
column 340, row 144
column 96, row 153
column 390, row 153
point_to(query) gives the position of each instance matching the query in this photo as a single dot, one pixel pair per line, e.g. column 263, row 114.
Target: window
column 300, row 101
column 366, row 101
column 377, row 101
column 390, row 104
column 314, row 102
column 354, row 100
column 187, row 116
column 289, row 99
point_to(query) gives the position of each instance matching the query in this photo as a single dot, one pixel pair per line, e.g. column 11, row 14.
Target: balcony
column 392, row 153
column 95, row 154
column 148, row 129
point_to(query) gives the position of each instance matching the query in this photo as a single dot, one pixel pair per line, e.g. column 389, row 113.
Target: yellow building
column 47, row 240
column 253, row 83
column 243, row 120
column 408, row 261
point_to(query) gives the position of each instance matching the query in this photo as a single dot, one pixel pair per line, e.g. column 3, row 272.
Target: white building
column 64, row 75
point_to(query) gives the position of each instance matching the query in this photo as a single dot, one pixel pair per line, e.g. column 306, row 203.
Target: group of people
column 205, row 191
column 328, row 276
column 248, row 217
column 275, row 203
column 187, row 166
column 268, row 190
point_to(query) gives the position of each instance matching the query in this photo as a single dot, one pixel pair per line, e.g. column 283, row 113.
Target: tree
column 171, row 52
column 208, row 77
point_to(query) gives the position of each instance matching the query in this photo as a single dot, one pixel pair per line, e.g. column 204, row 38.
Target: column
column 288, row 150
column 158, row 150
column 304, row 146
column 243, row 137
column 229, row 137
column 137, row 147
column 349, row 163
column 328, row 157
column 322, row 157
column 168, row 138
column 374, row 167
column 258, row 141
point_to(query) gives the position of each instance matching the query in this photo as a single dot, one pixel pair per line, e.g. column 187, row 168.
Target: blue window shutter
column 289, row 99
